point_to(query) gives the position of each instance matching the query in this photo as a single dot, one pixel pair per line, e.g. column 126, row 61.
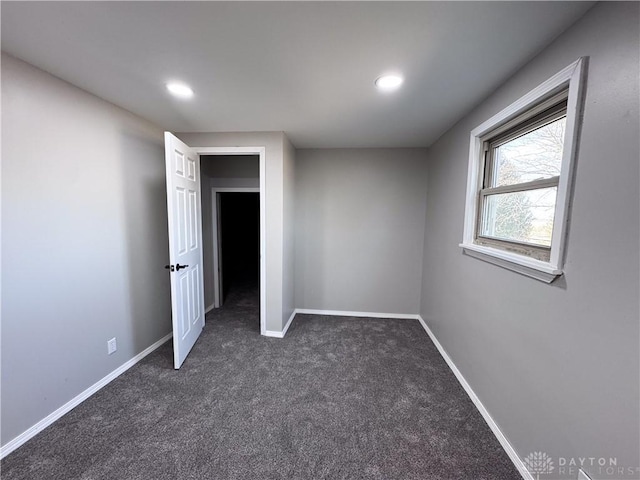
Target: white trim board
column 77, row 400
column 215, row 222
column 209, row 308
column 286, row 327
column 572, row 78
column 506, row 445
column 261, row 151
column 275, row 333
column 341, row 313
column 338, row 313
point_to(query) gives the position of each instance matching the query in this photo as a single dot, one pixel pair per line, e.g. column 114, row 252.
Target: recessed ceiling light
column 180, row 90
column 389, row 82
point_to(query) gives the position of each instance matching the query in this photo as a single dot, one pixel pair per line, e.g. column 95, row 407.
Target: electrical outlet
column 112, row 346
column 582, row 475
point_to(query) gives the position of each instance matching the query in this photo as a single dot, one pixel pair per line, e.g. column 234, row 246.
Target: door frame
column 261, row 153
column 217, row 301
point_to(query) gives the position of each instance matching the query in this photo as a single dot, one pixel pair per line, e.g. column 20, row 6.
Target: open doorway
column 236, row 243
column 233, row 220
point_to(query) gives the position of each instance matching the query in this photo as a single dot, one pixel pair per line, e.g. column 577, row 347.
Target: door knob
column 178, row 266
column 169, row 267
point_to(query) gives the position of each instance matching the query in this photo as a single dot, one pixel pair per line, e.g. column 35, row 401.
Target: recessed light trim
column 389, row 82
column 180, row 90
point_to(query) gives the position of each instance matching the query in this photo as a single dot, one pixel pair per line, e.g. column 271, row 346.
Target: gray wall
column 360, row 217
column 84, row 242
column 274, row 145
column 288, row 238
column 221, row 171
column 207, row 236
column 557, row 366
column 233, row 169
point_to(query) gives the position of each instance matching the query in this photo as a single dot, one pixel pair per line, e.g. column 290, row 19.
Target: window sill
column 543, row 271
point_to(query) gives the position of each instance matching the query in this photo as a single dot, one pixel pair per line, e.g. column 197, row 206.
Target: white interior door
column 185, row 245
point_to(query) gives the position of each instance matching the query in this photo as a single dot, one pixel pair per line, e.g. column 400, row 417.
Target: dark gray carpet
column 338, row 398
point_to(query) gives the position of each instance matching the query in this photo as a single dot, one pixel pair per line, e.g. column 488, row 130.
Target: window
column 520, row 181
column 520, row 169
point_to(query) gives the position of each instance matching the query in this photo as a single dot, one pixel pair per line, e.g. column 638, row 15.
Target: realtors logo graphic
column 538, row 463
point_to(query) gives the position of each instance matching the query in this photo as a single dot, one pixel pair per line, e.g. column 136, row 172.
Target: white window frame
column 571, row 78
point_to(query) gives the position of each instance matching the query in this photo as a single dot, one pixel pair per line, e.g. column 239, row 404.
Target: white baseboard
column 286, row 327
column 74, row 402
column 277, row 334
column 337, row 313
column 67, row 407
column 508, row 448
column 209, row 308
column 273, row 333
column 342, row 313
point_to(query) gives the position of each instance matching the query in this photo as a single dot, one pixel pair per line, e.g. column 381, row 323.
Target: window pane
column 520, row 216
column 532, row 156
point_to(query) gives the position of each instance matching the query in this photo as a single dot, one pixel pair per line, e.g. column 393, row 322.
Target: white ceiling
column 306, row 68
